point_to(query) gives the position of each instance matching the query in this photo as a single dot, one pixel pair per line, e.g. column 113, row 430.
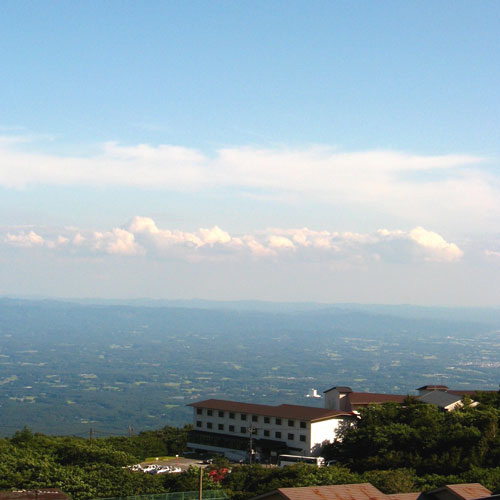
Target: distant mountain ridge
column 481, row 314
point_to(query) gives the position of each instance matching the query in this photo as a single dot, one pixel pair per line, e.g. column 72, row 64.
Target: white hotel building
column 225, row 427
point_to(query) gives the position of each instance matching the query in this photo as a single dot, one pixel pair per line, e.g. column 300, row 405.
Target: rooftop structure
column 345, row 399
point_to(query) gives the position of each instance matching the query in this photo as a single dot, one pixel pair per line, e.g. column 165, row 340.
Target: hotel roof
column 293, row 412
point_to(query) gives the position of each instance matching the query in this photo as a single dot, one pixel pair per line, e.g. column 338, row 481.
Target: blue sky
column 331, row 151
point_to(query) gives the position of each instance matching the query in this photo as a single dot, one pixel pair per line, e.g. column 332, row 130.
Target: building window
column 291, row 423
column 278, row 421
column 290, row 437
column 221, row 427
column 303, row 425
column 221, row 414
column 277, row 434
column 243, row 416
column 209, row 413
column 255, row 418
column 266, row 433
column 243, row 430
column 231, row 415
column 267, row 420
column 198, row 423
column 302, row 438
column 199, row 411
column 231, row 428
column 209, row 425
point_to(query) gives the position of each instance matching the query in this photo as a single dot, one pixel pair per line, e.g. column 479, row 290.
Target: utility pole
column 250, row 455
column 200, row 495
column 91, row 435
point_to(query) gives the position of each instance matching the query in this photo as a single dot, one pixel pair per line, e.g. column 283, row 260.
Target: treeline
column 85, row 469
column 423, row 437
column 166, row 441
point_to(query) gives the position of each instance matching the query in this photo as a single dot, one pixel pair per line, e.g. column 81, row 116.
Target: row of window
column 243, row 416
column 244, row 430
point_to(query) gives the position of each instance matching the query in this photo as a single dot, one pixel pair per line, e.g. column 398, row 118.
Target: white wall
column 322, row 432
column 260, row 425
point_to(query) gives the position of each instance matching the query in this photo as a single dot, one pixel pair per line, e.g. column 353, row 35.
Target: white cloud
column 143, row 237
column 164, row 238
column 59, row 241
column 422, row 187
column 280, row 242
column 256, row 248
column 118, row 241
column 305, row 237
column 78, row 239
column 22, row 239
column 435, row 245
column 215, row 235
column 492, row 254
column 142, row 225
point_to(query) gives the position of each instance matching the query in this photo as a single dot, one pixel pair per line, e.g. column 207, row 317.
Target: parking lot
column 181, row 462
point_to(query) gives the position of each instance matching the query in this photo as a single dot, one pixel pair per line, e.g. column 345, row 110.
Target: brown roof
column 40, row 494
column 294, row 412
column 363, row 491
column 404, row 496
column 364, row 398
column 467, row 393
column 468, row 491
column 461, row 393
column 366, row 491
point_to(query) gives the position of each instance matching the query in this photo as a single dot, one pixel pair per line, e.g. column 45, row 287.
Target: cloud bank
column 392, row 181
column 142, row 237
